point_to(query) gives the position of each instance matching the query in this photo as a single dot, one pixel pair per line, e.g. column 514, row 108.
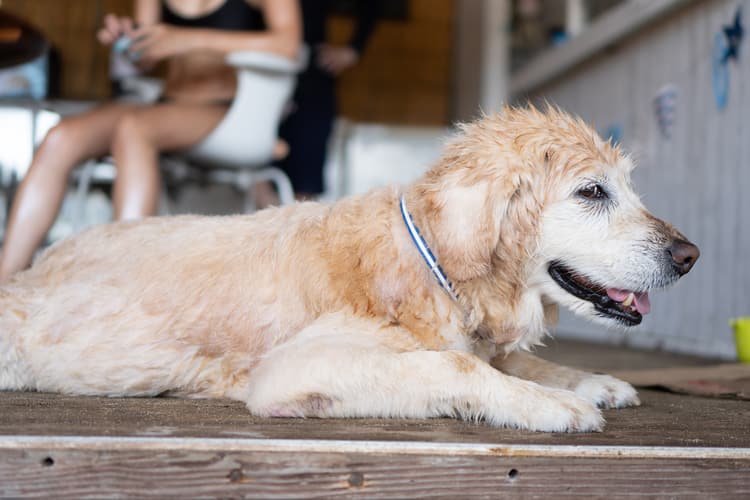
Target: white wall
column 366, row 156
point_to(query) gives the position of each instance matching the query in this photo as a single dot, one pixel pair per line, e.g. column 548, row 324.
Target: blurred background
column 665, row 78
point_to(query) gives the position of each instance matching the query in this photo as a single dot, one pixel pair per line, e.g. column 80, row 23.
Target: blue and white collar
column 426, row 253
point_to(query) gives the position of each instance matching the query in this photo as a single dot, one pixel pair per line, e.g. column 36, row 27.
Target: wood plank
column 664, row 419
column 695, row 180
column 611, row 28
column 400, row 64
column 71, row 473
column 83, row 447
column 99, row 443
column 71, row 28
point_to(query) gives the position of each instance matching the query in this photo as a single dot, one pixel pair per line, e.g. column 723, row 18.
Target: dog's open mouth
column 626, row 306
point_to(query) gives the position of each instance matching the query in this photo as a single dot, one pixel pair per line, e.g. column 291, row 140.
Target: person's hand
column 114, row 27
column 156, row 42
column 336, row 59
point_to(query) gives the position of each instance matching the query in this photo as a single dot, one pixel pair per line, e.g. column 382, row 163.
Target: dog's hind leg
column 352, row 367
column 603, row 390
column 15, row 374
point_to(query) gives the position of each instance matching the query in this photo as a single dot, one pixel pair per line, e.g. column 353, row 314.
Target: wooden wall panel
column 405, row 75
column 403, row 78
column 698, row 178
column 71, row 27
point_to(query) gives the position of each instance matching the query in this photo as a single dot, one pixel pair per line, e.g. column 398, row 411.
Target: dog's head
column 537, row 207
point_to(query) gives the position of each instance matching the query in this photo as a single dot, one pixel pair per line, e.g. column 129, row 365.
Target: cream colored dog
column 415, row 302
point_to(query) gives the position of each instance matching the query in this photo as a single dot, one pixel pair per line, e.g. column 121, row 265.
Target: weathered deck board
column 79, row 447
column 164, row 474
column 663, row 420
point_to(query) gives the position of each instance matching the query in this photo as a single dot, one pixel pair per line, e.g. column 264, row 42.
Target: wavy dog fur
column 329, row 310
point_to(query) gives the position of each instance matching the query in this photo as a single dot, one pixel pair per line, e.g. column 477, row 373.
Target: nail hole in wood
column 235, row 475
column 48, row 462
column 513, row 474
column 356, row 479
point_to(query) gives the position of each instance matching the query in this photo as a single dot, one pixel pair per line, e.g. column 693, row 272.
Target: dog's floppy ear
column 469, row 207
column 466, row 230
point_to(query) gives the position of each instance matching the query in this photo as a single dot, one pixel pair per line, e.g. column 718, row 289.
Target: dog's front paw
column 559, row 410
column 607, row 392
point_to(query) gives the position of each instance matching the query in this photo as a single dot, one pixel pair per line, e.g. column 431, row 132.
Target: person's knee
column 63, row 137
column 130, row 128
column 60, row 142
column 58, row 136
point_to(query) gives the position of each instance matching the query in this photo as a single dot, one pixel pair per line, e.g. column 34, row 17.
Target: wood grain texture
column 71, row 28
column 54, row 446
column 148, row 474
column 623, row 20
column 663, row 420
column 404, row 76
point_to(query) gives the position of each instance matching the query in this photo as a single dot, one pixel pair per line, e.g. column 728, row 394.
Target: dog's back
column 165, row 304
column 185, row 304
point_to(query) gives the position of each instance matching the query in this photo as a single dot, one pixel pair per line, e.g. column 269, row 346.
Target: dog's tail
column 14, row 372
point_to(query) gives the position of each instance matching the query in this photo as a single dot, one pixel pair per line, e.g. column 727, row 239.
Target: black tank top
column 233, row 15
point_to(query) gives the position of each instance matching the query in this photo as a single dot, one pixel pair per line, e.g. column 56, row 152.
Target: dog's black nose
column 684, row 254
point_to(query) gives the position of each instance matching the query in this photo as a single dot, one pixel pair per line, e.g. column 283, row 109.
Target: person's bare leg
column 41, row 192
column 139, row 138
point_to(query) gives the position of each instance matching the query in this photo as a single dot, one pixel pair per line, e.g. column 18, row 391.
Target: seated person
column 193, row 36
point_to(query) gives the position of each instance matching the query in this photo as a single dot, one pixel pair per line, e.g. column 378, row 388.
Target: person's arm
column 367, row 16
column 336, row 59
column 145, row 13
column 283, row 36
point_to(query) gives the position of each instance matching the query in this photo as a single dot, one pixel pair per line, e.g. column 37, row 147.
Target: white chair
column 238, row 152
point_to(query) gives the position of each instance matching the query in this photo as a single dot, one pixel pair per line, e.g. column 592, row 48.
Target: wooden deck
column 78, row 447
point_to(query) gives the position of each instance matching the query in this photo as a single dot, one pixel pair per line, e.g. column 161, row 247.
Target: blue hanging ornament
column 665, row 109
column 720, row 71
column 734, row 34
column 614, row 133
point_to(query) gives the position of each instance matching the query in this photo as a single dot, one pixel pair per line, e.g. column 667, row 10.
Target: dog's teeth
column 629, row 300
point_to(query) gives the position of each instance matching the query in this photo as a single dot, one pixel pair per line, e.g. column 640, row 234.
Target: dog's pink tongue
column 641, row 301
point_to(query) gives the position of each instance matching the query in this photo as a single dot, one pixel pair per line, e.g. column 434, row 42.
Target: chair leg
column 243, row 181
column 278, row 177
column 248, row 202
column 165, row 202
column 284, row 186
column 247, row 180
column 86, row 173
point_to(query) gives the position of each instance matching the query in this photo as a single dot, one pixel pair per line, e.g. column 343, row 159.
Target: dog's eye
column 593, row 192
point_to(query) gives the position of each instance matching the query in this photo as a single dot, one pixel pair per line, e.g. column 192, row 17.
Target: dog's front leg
column 603, row 390
column 345, row 371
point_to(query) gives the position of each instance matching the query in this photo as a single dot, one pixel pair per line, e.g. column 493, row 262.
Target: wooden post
column 495, row 69
column 576, row 16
